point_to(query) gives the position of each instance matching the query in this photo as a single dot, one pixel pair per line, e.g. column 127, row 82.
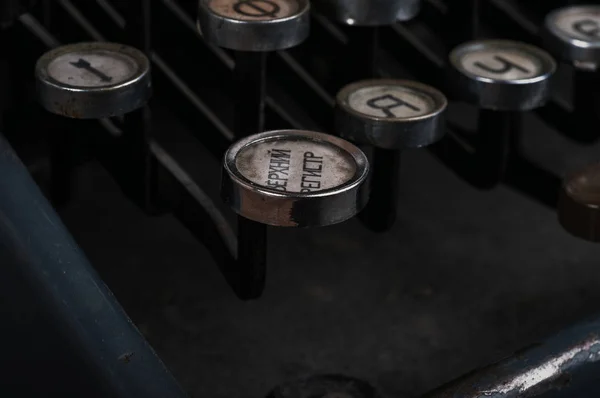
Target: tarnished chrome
column 254, row 25
column 501, row 74
column 579, row 204
column 93, row 80
column 368, row 12
column 573, row 35
column 543, row 368
column 390, row 114
column 295, row 178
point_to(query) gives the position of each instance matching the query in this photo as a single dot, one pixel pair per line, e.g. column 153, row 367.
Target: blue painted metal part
column 37, row 249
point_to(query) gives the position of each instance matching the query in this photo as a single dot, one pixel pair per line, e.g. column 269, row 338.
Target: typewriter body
column 294, row 198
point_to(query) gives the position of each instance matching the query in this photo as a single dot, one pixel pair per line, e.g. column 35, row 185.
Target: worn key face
column 574, row 33
column 295, row 166
column 394, row 114
column 255, row 10
column 293, row 169
column 92, row 69
column 254, row 25
column 93, row 80
column 394, row 102
column 502, row 74
column 510, row 64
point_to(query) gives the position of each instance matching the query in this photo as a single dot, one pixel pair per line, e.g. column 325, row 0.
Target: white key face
column 255, row 10
column 501, row 64
column 392, row 102
column 295, row 165
column 92, row 69
column 580, row 23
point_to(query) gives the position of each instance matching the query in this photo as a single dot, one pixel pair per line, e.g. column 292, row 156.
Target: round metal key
column 93, row 80
column 294, row 178
column 390, row 114
column 502, row 74
column 369, row 12
column 254, row 25
column 573, row 34
column 579, row 204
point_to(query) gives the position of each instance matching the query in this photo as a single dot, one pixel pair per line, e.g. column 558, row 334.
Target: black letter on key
column 383, row 103
column 587, row 27
column 506, row 66
column 251, row 9
column 83, row 64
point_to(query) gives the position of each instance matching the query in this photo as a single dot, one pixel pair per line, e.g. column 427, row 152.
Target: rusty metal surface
column 542, row 368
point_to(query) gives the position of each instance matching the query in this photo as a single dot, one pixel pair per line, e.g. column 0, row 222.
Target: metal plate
column 294, row 178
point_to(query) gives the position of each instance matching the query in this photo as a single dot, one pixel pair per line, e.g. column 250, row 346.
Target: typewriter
column 299, row 199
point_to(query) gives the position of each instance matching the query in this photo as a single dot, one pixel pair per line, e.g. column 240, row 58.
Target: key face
column 254, row 25
column 573, row 33
column 390, row 102
column 255, row 10
column 295, row 166
column 294, row 178
column 93, row 80
column 501, row 74
column 82, row 69
column 501, row 64
column 392, row 114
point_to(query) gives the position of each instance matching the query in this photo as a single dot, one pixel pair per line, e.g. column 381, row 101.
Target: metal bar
column 250, row 78
column 245, row 270
column 138, row 124
column 35, row 244
column 249, row 75
column 520, row 174
column 381, row 211
column 463, row 21
column 586, row 103
column 545, row 367
column 495, row 134
column 230, row 63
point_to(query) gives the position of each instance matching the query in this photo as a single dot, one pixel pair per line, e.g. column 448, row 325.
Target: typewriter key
column 369, row 12
column 253, row 28
column 294, row 178
column 573, row 34
column 579, row 204
column 503, row 78
column 391, row 115
column 254, row 25
column 502, row 74
column 93, row 80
